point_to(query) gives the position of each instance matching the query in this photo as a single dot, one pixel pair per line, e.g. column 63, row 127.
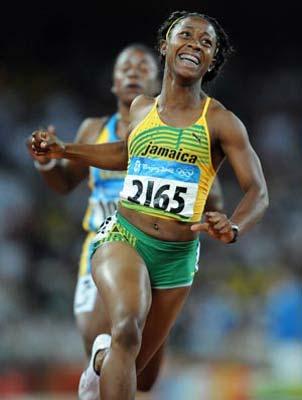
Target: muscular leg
column 95, row 321
column 147, row 378
column 122, row 278
column 166, row 305
column 91, row 324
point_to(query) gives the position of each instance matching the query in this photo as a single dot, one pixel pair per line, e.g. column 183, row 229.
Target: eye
column 207, row 43
column 144, row 68
column 124, row 68
column 185, row 34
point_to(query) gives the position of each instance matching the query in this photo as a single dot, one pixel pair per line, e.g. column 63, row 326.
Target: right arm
column 110, row 156
column 66, row 174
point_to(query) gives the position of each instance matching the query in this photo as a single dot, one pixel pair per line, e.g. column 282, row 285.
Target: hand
column 216, row 225
column 46, row 144
column 41, row 159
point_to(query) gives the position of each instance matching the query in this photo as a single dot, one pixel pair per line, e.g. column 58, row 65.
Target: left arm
column 247, row 168
column 235, row 144
column 215, row 201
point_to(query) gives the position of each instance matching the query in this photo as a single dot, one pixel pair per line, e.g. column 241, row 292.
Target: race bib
column 101, row 210
column 170, row 186
column 85, row 295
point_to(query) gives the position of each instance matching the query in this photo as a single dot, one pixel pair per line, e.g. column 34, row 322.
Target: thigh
column 166, row 305
column 123, row 281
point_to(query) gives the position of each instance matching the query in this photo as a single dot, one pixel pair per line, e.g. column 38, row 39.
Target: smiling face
column 190, row 48
column 135, row 73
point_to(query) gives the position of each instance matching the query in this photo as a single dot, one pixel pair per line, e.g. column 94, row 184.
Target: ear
column 163, row 47
column 113, row 90
column 212, row 65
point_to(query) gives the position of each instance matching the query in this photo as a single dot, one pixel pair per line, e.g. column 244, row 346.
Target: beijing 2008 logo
column 137, row 166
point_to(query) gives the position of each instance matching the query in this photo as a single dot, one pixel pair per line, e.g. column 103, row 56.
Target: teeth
column 189, row 57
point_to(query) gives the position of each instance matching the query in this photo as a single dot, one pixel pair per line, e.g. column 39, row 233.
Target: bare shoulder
column 223, row 122
column 89, row 129
column 140, row 107
column 142, row 101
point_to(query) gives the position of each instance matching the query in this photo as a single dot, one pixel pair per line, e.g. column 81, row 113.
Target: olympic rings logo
column 185, row 173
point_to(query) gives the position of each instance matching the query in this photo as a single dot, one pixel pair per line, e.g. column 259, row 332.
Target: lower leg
column 89, row 381
column 166, row 305
column 148, row 377
column 117, row 365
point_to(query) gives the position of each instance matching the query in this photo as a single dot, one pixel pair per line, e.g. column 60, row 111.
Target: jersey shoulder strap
column 103, row 123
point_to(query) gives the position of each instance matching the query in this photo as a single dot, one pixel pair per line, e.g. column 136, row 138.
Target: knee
column 127, row 334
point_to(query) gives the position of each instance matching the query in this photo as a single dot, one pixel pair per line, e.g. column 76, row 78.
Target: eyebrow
column 192, row 27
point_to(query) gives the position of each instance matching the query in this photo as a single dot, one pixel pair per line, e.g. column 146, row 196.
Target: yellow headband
column 172, row 25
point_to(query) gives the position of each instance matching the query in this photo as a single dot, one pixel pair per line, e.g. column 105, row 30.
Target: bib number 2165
column 162, row 197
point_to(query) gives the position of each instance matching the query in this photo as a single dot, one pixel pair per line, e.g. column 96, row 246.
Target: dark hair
column 140, row 47
column 224, row 47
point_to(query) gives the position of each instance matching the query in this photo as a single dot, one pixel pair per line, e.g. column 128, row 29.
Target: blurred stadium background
column 240, row 334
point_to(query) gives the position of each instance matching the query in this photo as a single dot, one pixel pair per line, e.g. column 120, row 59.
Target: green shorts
column 170, row 264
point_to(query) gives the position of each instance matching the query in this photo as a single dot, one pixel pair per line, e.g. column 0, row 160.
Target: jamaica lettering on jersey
column 170, row 171
column 105, row 185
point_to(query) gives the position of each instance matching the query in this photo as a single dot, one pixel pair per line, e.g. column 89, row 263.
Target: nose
column 195, row 44
column 133, row 72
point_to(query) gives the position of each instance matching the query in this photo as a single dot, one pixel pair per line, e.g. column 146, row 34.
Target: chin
column 189, row 76
column 129, row 97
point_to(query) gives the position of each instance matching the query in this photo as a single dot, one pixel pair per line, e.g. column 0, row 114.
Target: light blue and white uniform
column 105, row 189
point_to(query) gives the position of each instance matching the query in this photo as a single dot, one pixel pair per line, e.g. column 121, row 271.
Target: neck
column 179, row 94
column 123, row 120
column 123, row 111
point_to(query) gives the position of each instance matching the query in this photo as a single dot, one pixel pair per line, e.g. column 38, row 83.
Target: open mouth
column 190, row 58
column 133, row 86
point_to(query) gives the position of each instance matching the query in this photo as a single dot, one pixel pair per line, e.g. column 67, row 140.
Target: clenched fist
column 46, row 143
